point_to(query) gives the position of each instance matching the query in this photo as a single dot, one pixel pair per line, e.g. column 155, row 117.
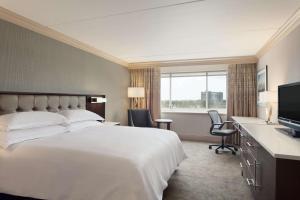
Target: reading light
column 97, row 100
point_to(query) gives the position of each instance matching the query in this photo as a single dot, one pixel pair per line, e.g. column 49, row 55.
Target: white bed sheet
column 95, row 163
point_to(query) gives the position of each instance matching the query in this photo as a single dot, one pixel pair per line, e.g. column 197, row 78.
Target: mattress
column 99, row 162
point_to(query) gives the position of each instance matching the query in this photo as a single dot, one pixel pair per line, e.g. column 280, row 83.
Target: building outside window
column 194, row 92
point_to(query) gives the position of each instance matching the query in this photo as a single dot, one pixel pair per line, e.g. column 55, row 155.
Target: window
column 194, row 92
column 165, row 91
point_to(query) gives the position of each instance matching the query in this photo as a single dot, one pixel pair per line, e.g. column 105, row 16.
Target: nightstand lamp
column 135, row 93
column 268, row 98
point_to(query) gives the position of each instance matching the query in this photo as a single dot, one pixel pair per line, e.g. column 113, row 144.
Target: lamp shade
column 136, row 92
column 268, row 97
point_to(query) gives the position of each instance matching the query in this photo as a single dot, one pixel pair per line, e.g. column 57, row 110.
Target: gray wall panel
column 31, row 62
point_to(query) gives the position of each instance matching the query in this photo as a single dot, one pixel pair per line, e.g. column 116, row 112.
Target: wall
column 283, row 62
column 31, row 62
column 192, row 126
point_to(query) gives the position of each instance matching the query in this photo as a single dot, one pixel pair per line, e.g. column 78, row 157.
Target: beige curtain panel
column 242, row 94
column 149, row 78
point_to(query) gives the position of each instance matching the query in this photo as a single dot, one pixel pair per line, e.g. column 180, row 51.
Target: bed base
column 13, row 197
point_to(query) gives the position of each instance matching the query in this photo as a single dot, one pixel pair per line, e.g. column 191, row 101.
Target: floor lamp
column 135, row 93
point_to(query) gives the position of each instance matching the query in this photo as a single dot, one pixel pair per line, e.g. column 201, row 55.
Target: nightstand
column 105, row 123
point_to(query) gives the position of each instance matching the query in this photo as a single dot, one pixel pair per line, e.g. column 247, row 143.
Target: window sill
column 189, row 112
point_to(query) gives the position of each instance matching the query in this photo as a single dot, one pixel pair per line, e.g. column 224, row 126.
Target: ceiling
column 155, row 30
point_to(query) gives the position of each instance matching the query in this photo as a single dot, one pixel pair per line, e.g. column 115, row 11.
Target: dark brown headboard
column 11, row 102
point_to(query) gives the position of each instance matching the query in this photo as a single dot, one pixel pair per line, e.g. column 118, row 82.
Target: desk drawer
column 252, row 147
column 249, row 161
column 250, row 180
column 250, row 170
column 249, row 144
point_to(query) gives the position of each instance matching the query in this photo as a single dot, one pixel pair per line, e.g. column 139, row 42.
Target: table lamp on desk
column 268, row 98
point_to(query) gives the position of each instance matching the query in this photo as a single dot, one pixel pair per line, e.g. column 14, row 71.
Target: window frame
column 206, row 74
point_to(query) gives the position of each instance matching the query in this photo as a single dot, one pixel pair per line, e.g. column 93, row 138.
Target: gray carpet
column 208, row 176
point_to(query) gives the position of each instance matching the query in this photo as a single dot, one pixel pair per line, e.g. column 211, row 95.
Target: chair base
column 232, row 148
column 223, row 146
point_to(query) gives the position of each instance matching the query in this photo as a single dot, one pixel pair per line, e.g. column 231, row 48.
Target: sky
column 189, row 88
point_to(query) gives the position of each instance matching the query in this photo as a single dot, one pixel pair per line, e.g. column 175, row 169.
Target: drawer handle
column 249, row 144
column 248, row 163
column 241, row 165
column 250, row 182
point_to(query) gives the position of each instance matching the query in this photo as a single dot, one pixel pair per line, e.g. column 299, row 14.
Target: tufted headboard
column 11, row 102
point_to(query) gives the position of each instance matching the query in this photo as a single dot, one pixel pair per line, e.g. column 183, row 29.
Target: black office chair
column 139, row 118
column 216, row 130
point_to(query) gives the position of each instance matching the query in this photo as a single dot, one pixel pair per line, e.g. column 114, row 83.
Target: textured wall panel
column 30, row 62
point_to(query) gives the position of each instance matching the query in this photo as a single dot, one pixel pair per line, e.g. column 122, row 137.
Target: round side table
column 164, row 121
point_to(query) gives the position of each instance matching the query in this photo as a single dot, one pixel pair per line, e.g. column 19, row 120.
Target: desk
column 165, row 121
column 270, row 159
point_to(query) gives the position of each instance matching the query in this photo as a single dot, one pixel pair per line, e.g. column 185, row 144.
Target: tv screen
column 289, row 102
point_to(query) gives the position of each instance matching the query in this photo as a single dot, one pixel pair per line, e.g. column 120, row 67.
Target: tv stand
column 295, row 133
column 289, row 131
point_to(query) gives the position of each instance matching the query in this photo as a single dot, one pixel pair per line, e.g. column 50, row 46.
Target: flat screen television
column 289, row 107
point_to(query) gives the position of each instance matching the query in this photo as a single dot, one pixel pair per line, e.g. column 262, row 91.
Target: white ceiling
column 154, row 30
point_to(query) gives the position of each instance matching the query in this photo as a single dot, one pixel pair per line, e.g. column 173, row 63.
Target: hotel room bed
column 96, row 162
column 100, row 162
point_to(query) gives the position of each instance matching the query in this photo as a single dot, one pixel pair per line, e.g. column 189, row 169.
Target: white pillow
column 8, row 138
column 80, row 115
column 83, row 124
column 33, row 119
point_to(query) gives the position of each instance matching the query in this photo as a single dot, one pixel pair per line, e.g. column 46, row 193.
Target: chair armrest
column 218, row 124
column 228, row 122
column 131, row 123
column 222, row 124
column 150, row 121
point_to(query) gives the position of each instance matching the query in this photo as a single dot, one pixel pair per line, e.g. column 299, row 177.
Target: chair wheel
column 209, row 147
column 233, row 153
column 217, row 151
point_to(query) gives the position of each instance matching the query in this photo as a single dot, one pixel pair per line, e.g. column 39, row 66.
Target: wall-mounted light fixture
column 97, row 100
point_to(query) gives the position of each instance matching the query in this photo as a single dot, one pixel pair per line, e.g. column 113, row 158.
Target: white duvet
column 95, row 163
